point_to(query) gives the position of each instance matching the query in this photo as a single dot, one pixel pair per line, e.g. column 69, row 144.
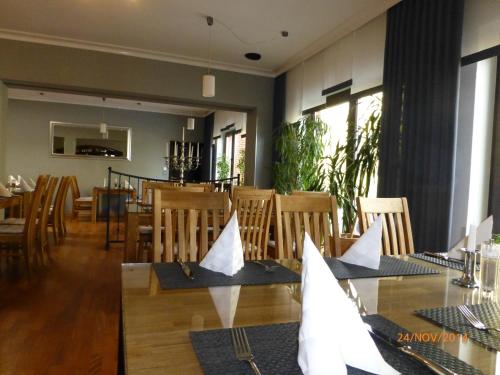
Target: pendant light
column 190, row 123
column 208, row 82
column 103, row 127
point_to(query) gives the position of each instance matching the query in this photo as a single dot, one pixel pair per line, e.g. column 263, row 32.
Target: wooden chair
column 149, row 186
column 146, row 231
column 186, row 217
column 297, row 214
column 207, row 187
column 254, row 208
column 311, row 193
column 43, row 222
column 236, row 188
column 57, row 218
column 80, row 204
column 397, row 237
column 20, row 240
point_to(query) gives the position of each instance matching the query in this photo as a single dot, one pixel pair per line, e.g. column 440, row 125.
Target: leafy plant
column 241, row 166
column 300, row 152
column 353, row 165
column 223, row 168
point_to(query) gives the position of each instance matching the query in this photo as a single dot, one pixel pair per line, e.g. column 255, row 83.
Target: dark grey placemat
column 450, row 317
column 171, row 277
column 275, row 348
column 389, row 266
column 441, row 262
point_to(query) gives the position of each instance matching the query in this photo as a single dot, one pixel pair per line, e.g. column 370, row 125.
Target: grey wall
column 28, row 150
column 112, row 74
column 3, row 121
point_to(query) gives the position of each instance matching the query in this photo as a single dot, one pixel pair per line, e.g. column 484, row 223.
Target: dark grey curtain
column 207, row 147
column 494, row 199
column 422, row 59
column 279, row 109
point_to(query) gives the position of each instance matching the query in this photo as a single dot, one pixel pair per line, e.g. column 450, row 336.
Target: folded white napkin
column 25, row 187
column 332, row 333
column 4, row 192
column 226, row 254
column 225, row 299
column 12, row 180
column 366, row 250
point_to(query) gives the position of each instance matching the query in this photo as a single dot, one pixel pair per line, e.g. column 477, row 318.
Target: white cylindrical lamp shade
column 208, row 90
column 190, row 123
column 103, row 128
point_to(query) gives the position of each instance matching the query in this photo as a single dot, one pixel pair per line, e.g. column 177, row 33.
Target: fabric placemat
column 171, row 276
column 275, row 348
column 389, row 266
column 441, row 262
column 450, row 317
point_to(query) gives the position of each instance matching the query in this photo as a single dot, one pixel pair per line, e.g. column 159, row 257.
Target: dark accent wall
column 494, row 198
column 279, row 110
column 206, row 167
column 422, row 59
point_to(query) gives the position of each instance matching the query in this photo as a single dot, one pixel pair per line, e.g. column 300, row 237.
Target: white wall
column 358, row 56
column 481, row 28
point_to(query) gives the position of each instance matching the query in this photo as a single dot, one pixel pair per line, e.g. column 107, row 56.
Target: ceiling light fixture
column 190, row 123
column 208, row 82
column 103, row 127
column 253, row 56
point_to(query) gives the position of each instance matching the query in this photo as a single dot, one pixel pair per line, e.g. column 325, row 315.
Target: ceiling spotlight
column 253, row 56
column 284, row 33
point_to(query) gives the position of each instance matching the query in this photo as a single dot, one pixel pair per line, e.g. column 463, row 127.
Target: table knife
column 185, row 269
column 404, row 348
column 442, row 257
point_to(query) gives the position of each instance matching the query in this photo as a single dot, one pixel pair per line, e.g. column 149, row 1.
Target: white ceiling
column 95, row 101
column 176, row 30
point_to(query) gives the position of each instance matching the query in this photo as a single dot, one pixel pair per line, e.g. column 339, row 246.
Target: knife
column 442, row 257
column 185, row 269
column 431, row 365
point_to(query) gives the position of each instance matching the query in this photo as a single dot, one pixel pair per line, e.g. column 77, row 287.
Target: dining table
column 156, row 322
column 14, row 203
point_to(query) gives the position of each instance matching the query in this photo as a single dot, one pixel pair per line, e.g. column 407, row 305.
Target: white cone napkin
column 366, row 250
column 4, row 192
column 332, row 334
column 225, row 299
column 226, row 254
column 25, row 187
column 12, row 180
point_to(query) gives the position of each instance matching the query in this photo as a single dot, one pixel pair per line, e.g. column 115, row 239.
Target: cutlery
column 442, row 257
column 242, row 348
column 266, row 267
column 474, row 320
column 185, row 269
column 407, row 349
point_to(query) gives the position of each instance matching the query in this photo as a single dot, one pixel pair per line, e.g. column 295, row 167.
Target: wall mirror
column 89, row 141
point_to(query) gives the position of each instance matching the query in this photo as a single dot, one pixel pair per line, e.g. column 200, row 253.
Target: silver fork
column 266, row 267
column 473, row 320
column 242, row 348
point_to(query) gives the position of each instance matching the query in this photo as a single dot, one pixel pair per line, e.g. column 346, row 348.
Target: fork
column 473, row 320
column 242, row 348
column 266, row 267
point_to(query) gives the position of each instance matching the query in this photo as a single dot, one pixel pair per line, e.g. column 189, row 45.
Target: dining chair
column 236, row 188
column 311, row 193
column 148, row 187
column 207, row 187
column 192, row 221
column 254, row 208
column 397, row 237
column 21, row 240
column 298, row 214
column 43, row 220
column 146, row 231
column 57, row 218
column 80, row 204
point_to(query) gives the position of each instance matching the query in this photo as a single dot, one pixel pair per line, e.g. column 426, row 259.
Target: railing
column 128, row 186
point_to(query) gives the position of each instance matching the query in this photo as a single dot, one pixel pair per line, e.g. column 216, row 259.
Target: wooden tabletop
column 15, row 200
column 156, row 323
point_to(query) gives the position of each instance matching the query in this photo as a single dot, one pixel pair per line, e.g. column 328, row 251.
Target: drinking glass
column 488, row 271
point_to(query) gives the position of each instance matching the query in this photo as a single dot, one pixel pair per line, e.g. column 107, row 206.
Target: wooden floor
column 65, row 318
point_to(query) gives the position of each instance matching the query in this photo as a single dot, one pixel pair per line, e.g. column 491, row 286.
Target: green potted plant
column 223, row 168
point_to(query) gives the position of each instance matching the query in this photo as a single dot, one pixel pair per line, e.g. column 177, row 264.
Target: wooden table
column 156, row 323
column 97, row 191
column 16, row 201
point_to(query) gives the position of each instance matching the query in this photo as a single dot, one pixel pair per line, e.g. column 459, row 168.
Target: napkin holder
column 468, row 278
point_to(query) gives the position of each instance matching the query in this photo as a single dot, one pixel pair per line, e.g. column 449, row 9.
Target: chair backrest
column 236, row 188
column 46, row 203
column 191, row 221
column 149, row 186
column 397, row 237
column 60, row 199
column 33, row 213
column 207, row 187
column 75, row 190
column 254, row 208
column 297, row 214
column 311, row 193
